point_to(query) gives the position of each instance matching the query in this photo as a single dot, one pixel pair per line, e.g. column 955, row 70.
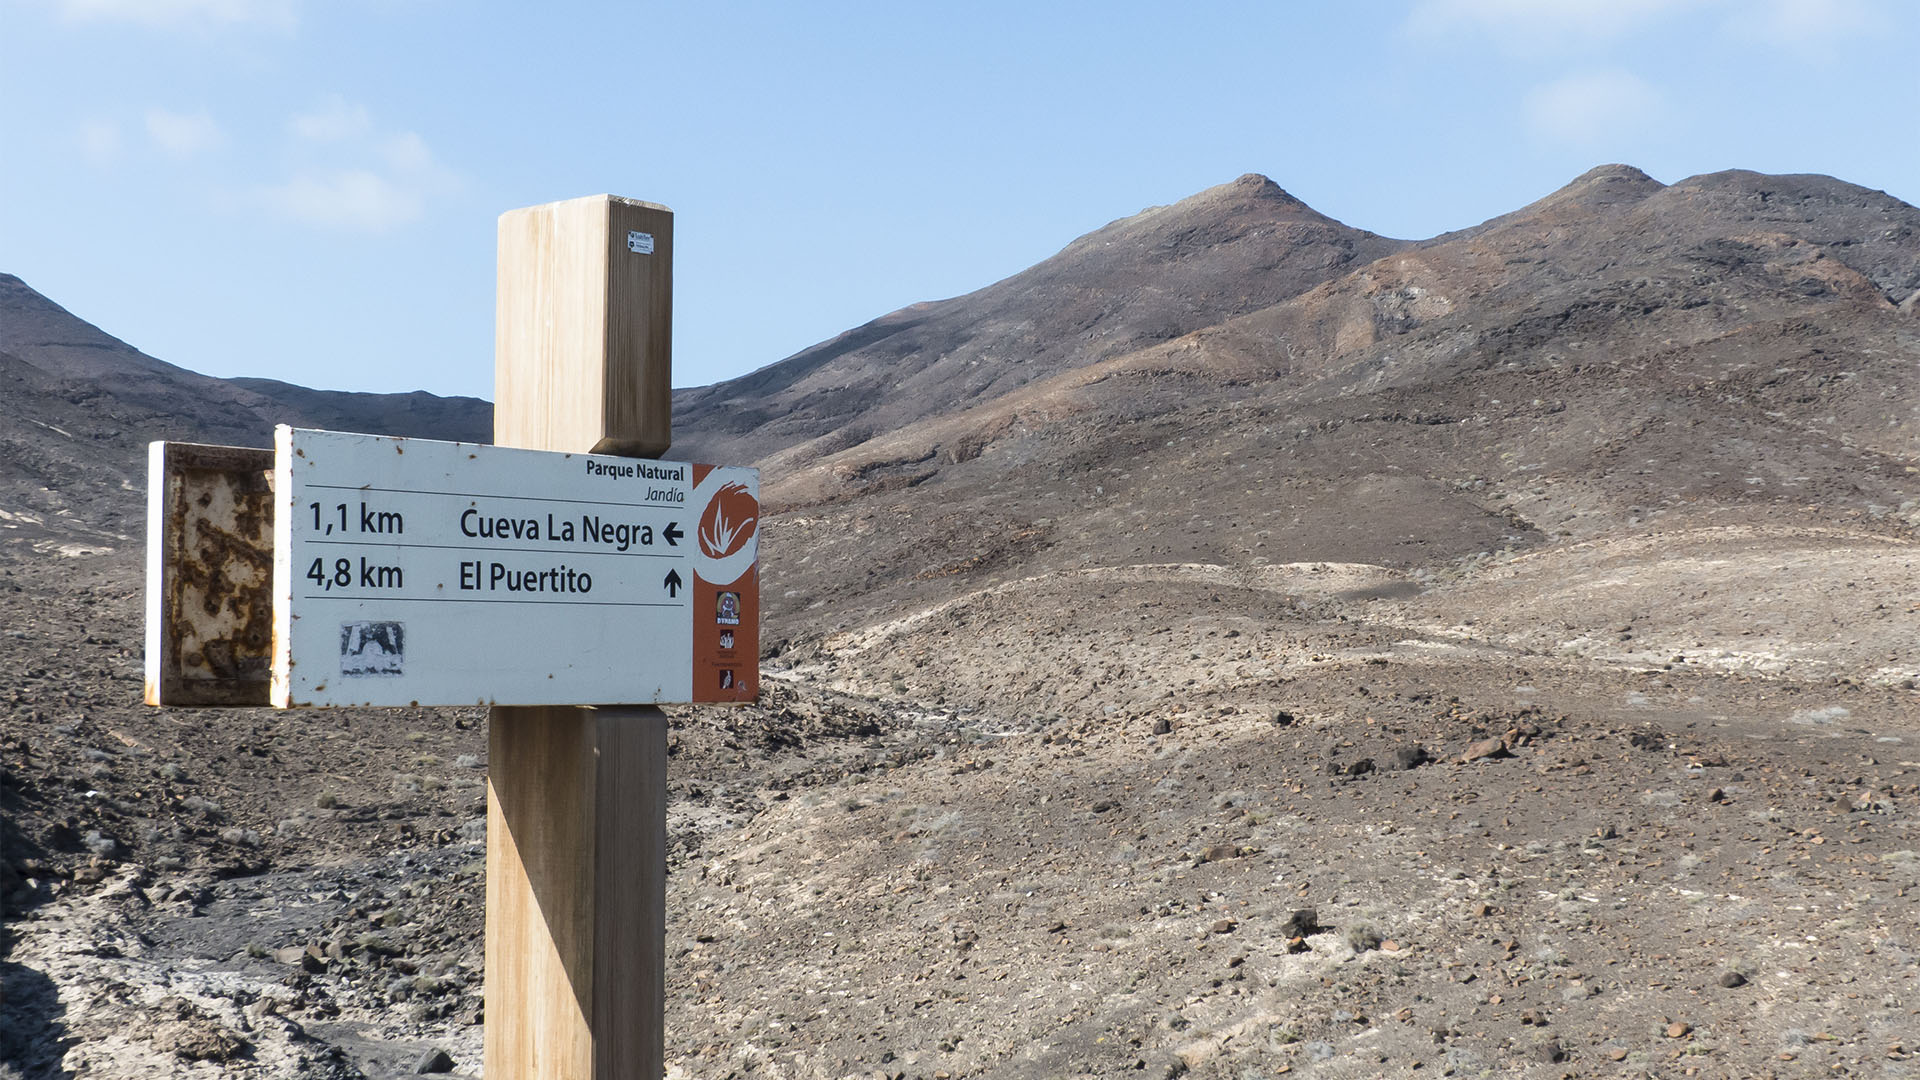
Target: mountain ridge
column 1153, row 276
column 1493, row 654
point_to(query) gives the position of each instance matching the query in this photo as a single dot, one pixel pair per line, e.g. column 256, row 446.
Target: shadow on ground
column 32, row 1035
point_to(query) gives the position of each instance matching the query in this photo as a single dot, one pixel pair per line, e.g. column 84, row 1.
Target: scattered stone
column 1731, row 979
column 1678, row 1029
column 1162, row 726
column 1716, row 795
column 1360, row 767
column 1618, row 1053
column 1409, row 757
column 1220, row 853
column 1105, row 805
column 1552, row 1051
column 1303, row 923
column 434, row 1061
column 305, row 957
column 1224, row 926
column 1871, row 802
column 1485, row 748
column 199, row 1039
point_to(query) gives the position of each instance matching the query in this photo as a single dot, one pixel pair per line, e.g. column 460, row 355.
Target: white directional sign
column 410, row 572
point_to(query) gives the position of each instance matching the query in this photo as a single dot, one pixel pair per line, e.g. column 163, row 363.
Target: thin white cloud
column 1803, row 26
column 99, row 140
column 334, row 120
column 278, row 14
column 407, row 152
column 1524, row 21
column 348, row 174
column 358, row 199
column 1594, row 110
column 1810, row 27
column 182, row 134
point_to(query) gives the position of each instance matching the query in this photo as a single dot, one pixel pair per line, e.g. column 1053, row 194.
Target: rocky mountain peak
column 1258, row 186
column 1615, row 173
column 1251, row 196
column 1599, row 189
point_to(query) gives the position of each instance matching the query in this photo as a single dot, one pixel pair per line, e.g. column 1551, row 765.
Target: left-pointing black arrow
column 672, row 534
column 673, row 583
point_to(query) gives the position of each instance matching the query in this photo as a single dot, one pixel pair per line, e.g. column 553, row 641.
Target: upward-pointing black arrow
column 673, row 583
column 672, row 534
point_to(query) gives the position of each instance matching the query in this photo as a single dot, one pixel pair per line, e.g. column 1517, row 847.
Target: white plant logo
column 730, row 517
column 727, row 536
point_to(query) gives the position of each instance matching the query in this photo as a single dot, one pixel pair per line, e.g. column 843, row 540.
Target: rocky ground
column 1321, row 818
column 1210, row 653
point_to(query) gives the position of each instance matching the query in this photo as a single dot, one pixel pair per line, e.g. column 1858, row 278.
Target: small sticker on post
column 640, row 243
column 373, row 648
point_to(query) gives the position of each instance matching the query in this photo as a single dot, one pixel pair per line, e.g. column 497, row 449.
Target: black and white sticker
column 373, row 648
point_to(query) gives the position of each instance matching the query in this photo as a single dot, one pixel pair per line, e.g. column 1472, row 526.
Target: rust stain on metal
column 216, row 635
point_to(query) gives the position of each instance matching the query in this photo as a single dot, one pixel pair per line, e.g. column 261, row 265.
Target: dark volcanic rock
column 1409, row 757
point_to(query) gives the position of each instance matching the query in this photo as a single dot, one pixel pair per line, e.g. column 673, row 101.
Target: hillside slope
column 1138, row 281
column 81, row 405
column 1604, row 360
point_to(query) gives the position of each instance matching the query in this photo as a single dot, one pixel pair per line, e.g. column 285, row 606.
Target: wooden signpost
column 560, row 576
column 577, row 797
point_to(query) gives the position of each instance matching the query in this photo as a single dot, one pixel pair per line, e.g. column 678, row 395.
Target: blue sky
column 306, row 190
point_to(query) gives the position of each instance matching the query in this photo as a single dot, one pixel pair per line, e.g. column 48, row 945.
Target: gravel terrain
column 1491, row 655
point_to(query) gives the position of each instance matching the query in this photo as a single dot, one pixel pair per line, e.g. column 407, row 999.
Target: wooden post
column 577, row 797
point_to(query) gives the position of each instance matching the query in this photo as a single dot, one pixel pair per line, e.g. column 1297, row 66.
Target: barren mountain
column 1145, row 279
column 1238, row 646
column 1618, row 356
column 80, row 407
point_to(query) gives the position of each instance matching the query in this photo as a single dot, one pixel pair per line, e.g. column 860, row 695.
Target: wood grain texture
column 540, row 857
column 577, row 797
column 576, row 308
column 630, row 892
column 576, row 893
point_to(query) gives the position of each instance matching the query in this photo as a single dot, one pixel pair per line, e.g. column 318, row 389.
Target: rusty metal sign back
column 209, row 575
